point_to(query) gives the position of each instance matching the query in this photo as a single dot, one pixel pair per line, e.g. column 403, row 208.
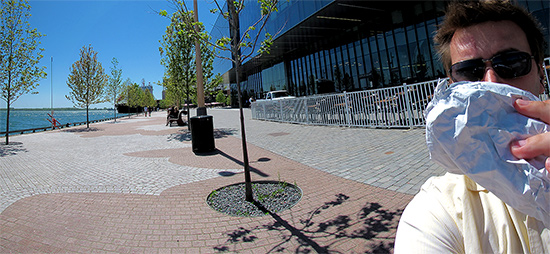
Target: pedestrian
column 489, row 41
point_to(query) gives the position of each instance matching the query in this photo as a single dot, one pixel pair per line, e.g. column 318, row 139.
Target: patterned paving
column 136, row 187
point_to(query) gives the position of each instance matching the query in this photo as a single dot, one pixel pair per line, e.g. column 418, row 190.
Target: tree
column 134, row 96
column 115, row 86
column 148, row 99
column 178, row 58
column 221, row 97
column 19, row 54
column 86, row 81
column 241, row 48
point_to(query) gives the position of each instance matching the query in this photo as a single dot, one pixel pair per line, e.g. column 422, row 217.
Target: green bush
column 221, row 98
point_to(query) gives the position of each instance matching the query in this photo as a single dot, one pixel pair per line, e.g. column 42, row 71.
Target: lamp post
column 201, row 109
column 51, row 92
column 202, row 126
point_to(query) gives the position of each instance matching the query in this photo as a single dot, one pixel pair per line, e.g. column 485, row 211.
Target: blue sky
column 127, row 30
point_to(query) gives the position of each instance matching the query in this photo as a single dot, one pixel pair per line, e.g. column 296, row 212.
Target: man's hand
column 535, row 145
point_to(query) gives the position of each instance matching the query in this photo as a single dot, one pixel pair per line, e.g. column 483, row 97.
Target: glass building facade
column 324, row 46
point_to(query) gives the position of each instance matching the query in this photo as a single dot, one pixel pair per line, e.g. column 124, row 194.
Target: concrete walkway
column 136, row 187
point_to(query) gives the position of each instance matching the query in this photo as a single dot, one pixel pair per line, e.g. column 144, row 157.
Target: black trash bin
column 202, row 134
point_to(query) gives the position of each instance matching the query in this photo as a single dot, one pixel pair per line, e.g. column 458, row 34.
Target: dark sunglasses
column 507, row 65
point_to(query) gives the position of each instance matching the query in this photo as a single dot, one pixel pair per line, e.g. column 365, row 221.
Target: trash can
column 202, row 134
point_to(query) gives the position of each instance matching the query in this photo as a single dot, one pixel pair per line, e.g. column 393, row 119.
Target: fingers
column 534, row 109
column 532, row 147
column 538, row 144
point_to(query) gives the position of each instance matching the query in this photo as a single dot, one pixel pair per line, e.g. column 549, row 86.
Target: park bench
column 176, row 118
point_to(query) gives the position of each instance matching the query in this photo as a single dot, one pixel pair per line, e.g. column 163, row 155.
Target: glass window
column 385, row 68
column 376, row 71
column 384, row 61
column 292, row 76
column 411, row 34
column 421, row 31
column 322, row 68
column 353, row 65
column 534, row 5
column 347, row 68
column 359, row 55
column 304, row 73
column 404, row 62
column 421, row 61
column 328, row 65
column 317, row 65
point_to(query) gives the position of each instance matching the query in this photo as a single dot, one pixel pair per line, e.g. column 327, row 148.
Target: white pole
column 201, row 109
column 51, row 91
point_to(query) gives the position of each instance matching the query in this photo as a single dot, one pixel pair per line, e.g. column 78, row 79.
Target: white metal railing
column 392, row 107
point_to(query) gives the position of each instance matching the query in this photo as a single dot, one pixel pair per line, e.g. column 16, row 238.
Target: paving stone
column 136, row 186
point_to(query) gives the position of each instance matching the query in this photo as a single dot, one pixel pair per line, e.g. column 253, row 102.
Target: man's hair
column 462, row 14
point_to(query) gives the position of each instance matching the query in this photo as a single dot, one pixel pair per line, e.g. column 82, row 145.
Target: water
column 21, row 119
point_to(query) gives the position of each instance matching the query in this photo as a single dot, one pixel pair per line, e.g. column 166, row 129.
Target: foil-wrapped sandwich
column 469, row 128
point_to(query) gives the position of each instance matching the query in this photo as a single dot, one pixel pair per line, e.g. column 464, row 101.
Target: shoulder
column 453, row 214
column 429, row 224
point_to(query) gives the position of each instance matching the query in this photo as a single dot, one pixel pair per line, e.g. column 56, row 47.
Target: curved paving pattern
column 135, row 186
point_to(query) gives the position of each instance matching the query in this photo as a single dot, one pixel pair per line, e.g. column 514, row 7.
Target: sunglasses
column 507, row 65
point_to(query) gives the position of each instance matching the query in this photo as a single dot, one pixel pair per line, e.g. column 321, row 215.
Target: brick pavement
column 136, row 187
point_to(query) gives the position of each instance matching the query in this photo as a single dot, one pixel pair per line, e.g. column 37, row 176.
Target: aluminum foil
column 469, row 128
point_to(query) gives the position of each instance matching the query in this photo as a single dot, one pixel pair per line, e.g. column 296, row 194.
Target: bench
column 178, row 119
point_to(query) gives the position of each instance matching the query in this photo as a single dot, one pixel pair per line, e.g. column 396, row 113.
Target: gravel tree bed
column 270, row 197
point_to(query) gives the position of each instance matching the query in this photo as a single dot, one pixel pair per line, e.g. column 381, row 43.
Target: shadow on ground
column 314, row 234
column 82, row 130
column 13, row 148
column 185, row 134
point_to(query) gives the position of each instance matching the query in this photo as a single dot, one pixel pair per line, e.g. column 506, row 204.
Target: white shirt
column 453, row 214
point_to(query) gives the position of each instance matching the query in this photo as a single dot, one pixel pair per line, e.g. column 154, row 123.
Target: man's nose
column 491, row 76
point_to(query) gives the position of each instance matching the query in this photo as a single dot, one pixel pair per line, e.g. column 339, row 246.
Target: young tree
column 135, row 96
column 19, row 54
column 86, row 81
column 115, row 86
column 148, row 99
column 123, row 97
column 178, row 58
column 241, row 47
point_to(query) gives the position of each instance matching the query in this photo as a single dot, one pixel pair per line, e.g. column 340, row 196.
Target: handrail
column 67, row 125
column 390, row 107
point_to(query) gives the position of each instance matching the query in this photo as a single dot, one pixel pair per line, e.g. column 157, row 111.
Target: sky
column 128, row 30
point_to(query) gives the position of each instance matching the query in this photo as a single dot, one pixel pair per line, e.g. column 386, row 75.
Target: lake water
column 21, row 119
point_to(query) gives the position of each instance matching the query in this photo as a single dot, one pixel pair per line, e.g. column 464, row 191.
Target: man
column 493, row 41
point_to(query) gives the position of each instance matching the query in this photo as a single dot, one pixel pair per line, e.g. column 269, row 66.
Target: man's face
column 488, row 39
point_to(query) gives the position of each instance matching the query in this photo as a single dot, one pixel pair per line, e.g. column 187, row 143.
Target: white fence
column 393, row 107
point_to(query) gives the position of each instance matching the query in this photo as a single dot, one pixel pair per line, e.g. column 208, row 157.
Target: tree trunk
column 8, row 122
column 234, row 27
column 87, row 118
column 114, row 106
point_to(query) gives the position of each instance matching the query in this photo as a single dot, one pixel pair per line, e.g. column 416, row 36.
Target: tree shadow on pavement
column 252, row 169
column 13, row 148
column 81, row 130
column 185, row 134
column 315, row 233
